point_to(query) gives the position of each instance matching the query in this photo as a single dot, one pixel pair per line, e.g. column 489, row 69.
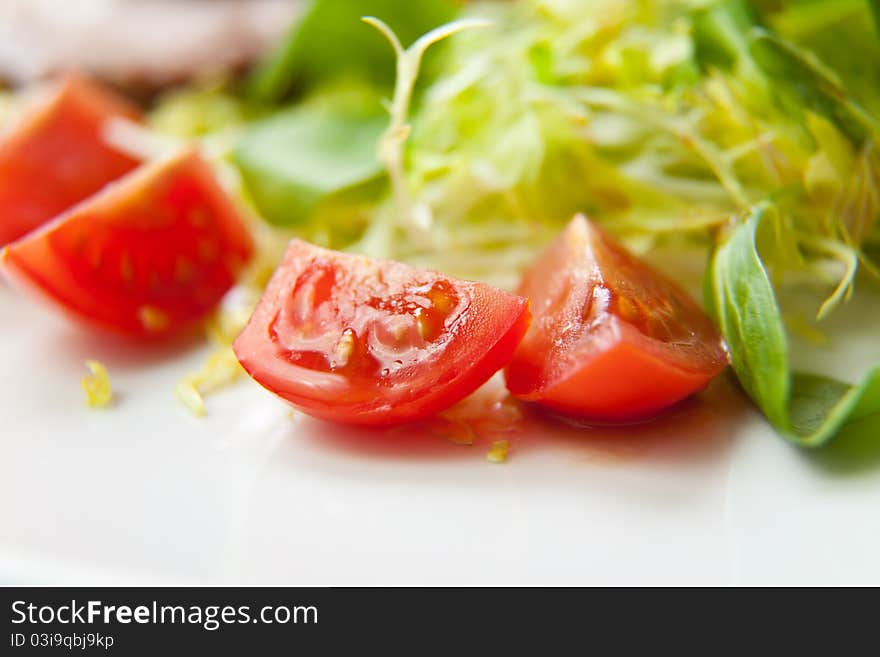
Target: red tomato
column 612, row 340
column 149, row 255
column 56, row 156
column 361, row 341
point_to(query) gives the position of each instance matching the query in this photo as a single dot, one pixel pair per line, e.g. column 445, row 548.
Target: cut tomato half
column 370, row 342
column 612, row 339
column 56, row 155
column 149, row 255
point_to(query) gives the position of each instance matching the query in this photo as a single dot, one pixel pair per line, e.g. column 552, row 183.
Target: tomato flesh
column 148, row 256
column 370, row 342
column 612, row 339
column 56, row 156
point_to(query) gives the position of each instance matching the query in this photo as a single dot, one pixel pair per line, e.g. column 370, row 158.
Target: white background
column 146, row 493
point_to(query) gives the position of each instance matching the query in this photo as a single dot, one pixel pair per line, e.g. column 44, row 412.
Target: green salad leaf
column 821, row 406
column 746, row 310
column 842, row 34
column 329, row 41
column 808, row 409
column 808, row 83
column 296, row 159
column 720, row 34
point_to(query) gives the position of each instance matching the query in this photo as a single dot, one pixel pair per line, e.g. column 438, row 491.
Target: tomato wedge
column 148, row 255
column 612, row 340
column 56, row 156
column 371, row 342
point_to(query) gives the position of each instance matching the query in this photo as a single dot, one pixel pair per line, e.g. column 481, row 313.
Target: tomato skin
column 624, row 384
column 56, row 156
column 470, row 342
column 148, row 256
column 612, row 340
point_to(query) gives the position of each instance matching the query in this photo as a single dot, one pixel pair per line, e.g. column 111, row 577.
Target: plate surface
column 146, row 493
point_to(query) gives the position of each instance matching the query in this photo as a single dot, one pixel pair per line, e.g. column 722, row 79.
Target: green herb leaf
column 875, row 12
column 330, row 41
column 750, row 320
column 800, row 80
column 808, row 409
column 294, row 160
column 720, row 34
column 821, row 27
column 821, row 406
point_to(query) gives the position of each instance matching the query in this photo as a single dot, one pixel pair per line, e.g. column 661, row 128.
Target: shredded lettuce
column 220, row 369
column 96, row 385
column 498, row 451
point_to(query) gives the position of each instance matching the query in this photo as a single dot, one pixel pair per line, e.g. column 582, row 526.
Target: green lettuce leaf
column 822, row 26
column 808, row 409
column 801, row 81
column 299, row 158
column 821, row 406
column 330, row 41
column 720, row 34
column 749, row 318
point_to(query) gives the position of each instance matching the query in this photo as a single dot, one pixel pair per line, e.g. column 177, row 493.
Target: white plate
column 146, row 493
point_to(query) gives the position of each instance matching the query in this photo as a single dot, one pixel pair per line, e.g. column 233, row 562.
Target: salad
column 403, row 199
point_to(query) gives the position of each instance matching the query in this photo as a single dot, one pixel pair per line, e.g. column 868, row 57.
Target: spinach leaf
column 871, row 252
column 750, row 320
column 720, row 34
column 808, row 409
column 801, row 81
column 821, row 406
column 817, row 26
column 297, row 158
column 330, row 41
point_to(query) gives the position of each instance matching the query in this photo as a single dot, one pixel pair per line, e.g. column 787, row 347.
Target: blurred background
column 140, row 45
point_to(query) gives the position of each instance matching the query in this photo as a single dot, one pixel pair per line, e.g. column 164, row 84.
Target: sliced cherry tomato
column 148, row 255
column 56, row 155
column 612, row 339
column 371, row 342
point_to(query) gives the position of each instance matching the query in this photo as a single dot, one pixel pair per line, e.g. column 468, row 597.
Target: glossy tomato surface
column 149, row 255
column 56, row 155
column 612, row 339
column 362, row 341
